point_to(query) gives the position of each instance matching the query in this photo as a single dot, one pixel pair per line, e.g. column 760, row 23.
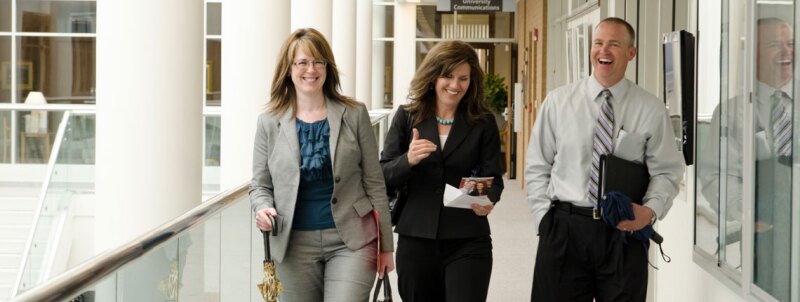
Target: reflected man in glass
column 772, row 139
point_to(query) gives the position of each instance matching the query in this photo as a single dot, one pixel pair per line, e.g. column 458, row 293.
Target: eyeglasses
column 304, row 64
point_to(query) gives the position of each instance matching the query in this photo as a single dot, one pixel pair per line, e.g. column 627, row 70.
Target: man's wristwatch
column 653, row 218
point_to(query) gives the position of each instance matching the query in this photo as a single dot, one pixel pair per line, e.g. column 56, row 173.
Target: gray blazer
column 358, row 179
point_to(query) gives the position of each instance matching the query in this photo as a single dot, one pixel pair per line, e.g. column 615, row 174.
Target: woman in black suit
column 445, row 133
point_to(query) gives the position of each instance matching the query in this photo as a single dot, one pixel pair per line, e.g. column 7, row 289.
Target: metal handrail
column 69, row 284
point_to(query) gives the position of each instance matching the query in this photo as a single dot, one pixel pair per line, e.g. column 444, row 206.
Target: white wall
column 683, row 279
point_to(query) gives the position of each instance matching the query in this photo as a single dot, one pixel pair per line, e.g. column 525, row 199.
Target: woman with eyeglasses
column 316, row 174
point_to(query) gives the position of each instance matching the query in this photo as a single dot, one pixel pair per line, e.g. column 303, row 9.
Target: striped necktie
column 602, row 143
column 781, row 124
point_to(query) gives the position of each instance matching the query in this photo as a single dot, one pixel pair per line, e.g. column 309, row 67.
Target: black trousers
column 580, row 259
column 444, row 269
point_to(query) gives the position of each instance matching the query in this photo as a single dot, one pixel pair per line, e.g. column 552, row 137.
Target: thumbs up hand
column 419, row 149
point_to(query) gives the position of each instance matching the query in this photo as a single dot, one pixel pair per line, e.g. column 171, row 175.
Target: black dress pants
column 443, row 269
column 580, row 259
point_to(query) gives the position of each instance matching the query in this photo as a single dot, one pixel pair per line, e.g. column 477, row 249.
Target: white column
column 405, row 51
column 149, row 115
column 344, row 43
column 315, row 14
column 252, row 34
column 149, row 128
column 364, row 53
column 378, row 57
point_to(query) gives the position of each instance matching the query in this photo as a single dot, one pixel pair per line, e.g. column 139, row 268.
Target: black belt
column 583, row 211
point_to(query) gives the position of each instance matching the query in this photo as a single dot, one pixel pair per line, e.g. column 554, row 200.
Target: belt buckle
column 595, row 214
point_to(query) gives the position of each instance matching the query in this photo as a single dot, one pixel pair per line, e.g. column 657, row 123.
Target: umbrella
column 616, row 207
column 271, row 286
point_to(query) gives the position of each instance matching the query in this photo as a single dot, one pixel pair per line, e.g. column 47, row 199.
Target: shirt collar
column 617, row 91
column 765, row 91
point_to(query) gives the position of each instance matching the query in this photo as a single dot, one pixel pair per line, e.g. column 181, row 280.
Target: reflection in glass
column 382, row 73
column 61, row 68
column 5, row 69
column 155, row 276
column 719, row 164
column 36, row 134
column 214, row 19
column 5, row 15
column 212, row 141
column 383, row 17
column 57, row 16
column 213, row 72
column 5, row 137
column 429, row 22
column 199, row 264
column 773, row 107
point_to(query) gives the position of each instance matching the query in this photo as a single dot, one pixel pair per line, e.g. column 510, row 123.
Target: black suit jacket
column 469, row 147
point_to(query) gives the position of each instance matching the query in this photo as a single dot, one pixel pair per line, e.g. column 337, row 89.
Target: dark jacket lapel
column 458, row 132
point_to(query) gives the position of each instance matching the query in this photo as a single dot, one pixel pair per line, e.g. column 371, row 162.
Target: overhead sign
column 475, row 5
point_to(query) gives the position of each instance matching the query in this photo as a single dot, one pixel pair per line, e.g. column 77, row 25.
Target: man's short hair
column 628, row 27
column 770, row 21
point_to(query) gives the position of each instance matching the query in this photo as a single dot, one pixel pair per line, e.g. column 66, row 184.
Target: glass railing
column 70, row 173
column 205, row 254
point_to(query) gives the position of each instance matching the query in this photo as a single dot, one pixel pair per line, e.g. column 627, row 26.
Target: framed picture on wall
column 24, row 74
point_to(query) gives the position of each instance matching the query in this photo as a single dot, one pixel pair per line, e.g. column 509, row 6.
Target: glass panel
column 5, row 69
column 155, row 276
column 212, row 141
column 5, row 137
column 36, row 135
column 199, row 264
column 73, row 173
column 382, row 73
column 214, row 19
column 62, row 68
column 772, row 109
column 56, row 16
column 732, row 137
column 383, row 26
column 502, row 25
column 429, row 22
column 5, row 15
column 213, row 72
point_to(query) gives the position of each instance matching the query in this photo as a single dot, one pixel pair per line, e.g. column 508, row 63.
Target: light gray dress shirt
column 709, row 155
column 559, row 155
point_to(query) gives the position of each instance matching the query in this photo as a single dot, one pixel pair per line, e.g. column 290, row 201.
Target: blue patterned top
column 313, row 208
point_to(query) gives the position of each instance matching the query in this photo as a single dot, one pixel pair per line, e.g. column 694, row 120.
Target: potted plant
column 496, row 96
column 496, row 92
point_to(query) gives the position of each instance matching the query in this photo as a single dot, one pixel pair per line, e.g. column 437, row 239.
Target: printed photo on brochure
column 475, row 186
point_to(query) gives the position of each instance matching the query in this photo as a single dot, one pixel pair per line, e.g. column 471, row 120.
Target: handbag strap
column 387, row 288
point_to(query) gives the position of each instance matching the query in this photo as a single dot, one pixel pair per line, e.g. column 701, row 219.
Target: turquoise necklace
column 444, row 121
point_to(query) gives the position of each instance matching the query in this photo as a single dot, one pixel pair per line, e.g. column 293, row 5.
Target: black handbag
column 397, row 200
column 387, row 289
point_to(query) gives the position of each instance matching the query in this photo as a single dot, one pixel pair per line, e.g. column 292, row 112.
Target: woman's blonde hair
column 283, row 91
column 440, row 62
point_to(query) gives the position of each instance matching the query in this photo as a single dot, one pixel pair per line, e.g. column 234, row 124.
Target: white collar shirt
column 558, row 158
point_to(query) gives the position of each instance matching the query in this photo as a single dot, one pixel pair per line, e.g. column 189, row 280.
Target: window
column 745, row 168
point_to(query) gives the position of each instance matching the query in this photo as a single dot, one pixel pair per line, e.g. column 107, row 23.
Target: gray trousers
column 319, row 267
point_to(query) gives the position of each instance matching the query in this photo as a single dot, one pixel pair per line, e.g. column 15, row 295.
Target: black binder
column 624, row 176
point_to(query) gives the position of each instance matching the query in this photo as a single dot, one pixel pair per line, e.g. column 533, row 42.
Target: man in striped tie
column 772, row 142
column 579, row 257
